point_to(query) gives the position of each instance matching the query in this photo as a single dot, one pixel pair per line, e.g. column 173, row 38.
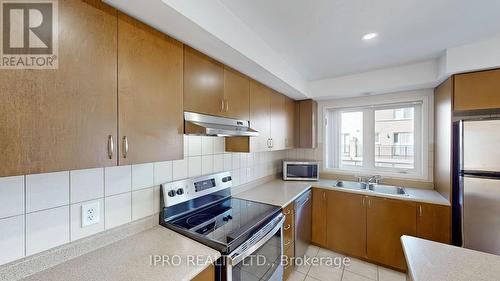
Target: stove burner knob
column 180, row 191
column 171, row 193
column 230, row 217
column 225, row 218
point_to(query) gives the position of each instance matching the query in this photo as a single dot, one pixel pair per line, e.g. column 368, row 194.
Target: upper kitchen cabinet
column 307, row 126
column 278, row 121
column 290, row 123
column 477, row 90
column 149, row 93
column 260, row 116
column 236, row 98
column 65, row 118
column 204, row 84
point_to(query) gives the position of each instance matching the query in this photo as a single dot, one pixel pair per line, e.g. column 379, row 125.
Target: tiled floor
column 356, row 270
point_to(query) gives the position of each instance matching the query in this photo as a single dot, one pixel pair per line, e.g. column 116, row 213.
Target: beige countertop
column 432, row 261
column 281, row 193
column 130, row 259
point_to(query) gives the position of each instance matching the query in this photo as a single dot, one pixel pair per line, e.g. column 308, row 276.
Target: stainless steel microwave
column 300, row 171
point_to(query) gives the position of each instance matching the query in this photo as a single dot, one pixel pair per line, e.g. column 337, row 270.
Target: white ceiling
column 322, row 38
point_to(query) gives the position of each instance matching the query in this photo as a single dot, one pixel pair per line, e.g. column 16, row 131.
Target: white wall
column 39, row 212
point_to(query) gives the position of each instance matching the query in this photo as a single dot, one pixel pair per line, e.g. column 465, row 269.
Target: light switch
column 91, row 213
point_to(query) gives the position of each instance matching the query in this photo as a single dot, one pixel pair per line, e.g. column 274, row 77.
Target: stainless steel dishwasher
column 302, row 223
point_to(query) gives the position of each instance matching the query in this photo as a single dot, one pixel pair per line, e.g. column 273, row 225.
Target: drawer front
column 288, row 236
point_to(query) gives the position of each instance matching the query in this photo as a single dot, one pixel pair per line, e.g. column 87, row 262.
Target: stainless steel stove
column 248, row 234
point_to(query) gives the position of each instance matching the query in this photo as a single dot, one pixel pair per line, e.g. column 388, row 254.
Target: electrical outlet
column 90, row 213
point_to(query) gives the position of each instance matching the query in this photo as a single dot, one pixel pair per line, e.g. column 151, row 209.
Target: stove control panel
column 185, row 190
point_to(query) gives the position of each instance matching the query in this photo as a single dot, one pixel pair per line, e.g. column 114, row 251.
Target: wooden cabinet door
column 477, row 90
column 149, row 93
column 433, row 222
column 203, row 83
column 308, row 124
column 278, row 124
column 387, row 220
column 53, row 120
column 346, row 223
column 318, row 225
column 236, row 95
column 260, row 116
column 290, row 123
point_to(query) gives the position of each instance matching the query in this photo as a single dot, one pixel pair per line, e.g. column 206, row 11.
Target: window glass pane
column 394, row 146
column 351, row 141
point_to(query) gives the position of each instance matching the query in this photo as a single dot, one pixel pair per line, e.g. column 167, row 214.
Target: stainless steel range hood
column 206, row 125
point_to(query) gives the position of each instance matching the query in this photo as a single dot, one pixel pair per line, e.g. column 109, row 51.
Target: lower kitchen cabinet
column 206, row 275
column 370, row 227
column 319, row 213
column 434, row 222
column 386, row 221
column 346, row 223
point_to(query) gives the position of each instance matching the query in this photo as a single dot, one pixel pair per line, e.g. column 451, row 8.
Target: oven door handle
column 237, row 259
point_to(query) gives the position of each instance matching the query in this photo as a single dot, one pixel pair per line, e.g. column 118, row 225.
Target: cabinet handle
column 125, row 147
column 111, row 147
column 272, row 143
column 288, row 243
column 369, row 203
column 222, row 105
column 287, row 227
column 324, row 195
column 420, row 210
column 363, row 201
column 227, row 106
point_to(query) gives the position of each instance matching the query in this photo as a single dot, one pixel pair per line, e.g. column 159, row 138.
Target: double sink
column 373, row 187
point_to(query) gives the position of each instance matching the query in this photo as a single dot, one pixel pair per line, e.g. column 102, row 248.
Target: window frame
column 422, row 119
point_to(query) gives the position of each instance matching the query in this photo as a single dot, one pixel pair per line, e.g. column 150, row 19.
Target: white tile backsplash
column 194, row 145
column 86, row 184
column 207, row 164
column 218, row 163
column 117, row 180
column 219, row 144
column 236, row 161
column 77, row 231
column 45, row 191
column 142, row 176
column 157, row 199
column 11, row 196
column 47, row 229
column 11, row 239
column 142, row 203
column 118, row 210
column 162, row 172
column 228, row 162
column 180, row 169
column 207, row 145
column 194, row 166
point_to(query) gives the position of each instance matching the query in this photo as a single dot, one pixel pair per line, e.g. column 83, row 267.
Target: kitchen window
column 386, row 139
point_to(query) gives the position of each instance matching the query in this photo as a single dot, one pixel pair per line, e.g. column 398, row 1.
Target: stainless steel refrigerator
column 479, row 180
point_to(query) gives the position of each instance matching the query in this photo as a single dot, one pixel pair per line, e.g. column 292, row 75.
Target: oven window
column 301, row 171
column 263, row 264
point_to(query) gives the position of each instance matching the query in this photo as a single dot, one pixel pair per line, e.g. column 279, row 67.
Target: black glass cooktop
column 225, row 224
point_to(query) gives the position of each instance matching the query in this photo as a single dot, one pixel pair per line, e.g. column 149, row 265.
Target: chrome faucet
column 374, row 179
column 370, row 180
